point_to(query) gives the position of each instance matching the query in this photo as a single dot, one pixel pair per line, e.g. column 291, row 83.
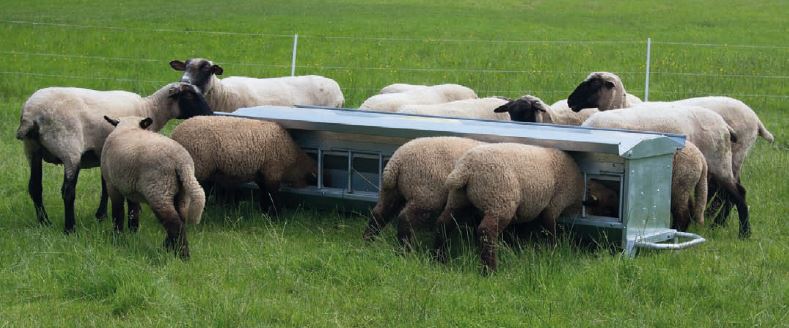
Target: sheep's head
column 132, row 122
column 526, row 109
column 602, row 200
column 303, row 173
column 187, row 101
column 600, row 90
column 197, row 71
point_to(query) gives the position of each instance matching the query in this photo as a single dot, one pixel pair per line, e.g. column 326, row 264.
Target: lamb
column 713, row 140
column 65, row 126
column 688, row 178
column 231, row 150
column 436, row 94
column 481, row 108
column 601, row 90
column 229, row 94
column 510, row 183
column 532, row 109
column 144, row 166
column 413, row 184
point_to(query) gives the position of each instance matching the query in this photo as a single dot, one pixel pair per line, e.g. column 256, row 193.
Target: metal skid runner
column 352, row 147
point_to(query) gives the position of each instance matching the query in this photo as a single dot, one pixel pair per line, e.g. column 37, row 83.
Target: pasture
column 309, row 268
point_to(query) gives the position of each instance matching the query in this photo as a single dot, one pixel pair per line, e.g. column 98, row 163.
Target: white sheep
column 481, row 108
column 231, row 93
column 436, row 94
column 232, row 150
column 601, row 90
column 144, row 166
column 510, row 183
column 66, row 126
column 703, row 127
column 401, row 87
column 412, row 184
column 532, row 109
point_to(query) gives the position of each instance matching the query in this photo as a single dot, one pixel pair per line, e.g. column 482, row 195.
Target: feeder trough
column 351, row 148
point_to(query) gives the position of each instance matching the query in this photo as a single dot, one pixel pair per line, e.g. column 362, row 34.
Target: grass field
column 310, row 268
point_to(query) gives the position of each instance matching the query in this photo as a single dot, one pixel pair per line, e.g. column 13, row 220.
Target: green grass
column 311, row 268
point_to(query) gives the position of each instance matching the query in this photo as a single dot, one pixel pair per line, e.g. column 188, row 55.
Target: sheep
column 401, row 87
column 689, row 177
column 481, row 108
column 65, row 126
column 412, row 184
column 231, row 150
column 229, row 94
column 703, row 127
column 144, row 166
column 532, row 109
column 436, row 94
column 509, row 183
column 601, row 90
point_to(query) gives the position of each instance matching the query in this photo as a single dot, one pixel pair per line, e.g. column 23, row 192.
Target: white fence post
column 646, row 83
column 293, row 60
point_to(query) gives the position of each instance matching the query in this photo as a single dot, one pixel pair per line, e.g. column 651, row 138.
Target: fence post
column 293, row 59
column 646, row 83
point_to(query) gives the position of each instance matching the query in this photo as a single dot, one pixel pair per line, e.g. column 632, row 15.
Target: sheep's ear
column 539, row 106
column 113, row 122
column 591, row 201
column 503, row 108
column 178, row 65
column 217, row 70
column 145, row 123
column 609, row 84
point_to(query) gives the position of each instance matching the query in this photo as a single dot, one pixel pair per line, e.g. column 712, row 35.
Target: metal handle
column 694, row 240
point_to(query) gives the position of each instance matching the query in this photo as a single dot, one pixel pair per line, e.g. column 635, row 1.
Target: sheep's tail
column 458, row 178
column 190, row 204
column 765, row 134
column 700, row 196
column 390, row 176
column 26, row 126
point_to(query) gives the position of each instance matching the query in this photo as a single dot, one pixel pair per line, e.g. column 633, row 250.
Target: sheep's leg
column 384, row 211
column 101, row 212
column 736, row 193
column 34, row 186
column 548, row 221
column 134, row 216
column 69, row 189
column 174, row 226
column 444, row 227
column 489, row 230
column 117, row 210
column 269, row 200
column 410, row 216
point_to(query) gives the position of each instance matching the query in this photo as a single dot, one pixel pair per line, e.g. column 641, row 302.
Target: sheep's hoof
column 68, row 230
column 44, row 221
column 101, row 215
column 745, row 234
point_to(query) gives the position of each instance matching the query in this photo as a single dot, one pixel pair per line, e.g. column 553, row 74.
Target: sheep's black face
column 197, row 71
column 587, row 94
column 190, row 102
column 521, row 110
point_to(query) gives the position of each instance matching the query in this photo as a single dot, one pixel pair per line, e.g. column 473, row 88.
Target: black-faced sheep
column 230, row 150
column 532, row 109
column 481, row 108
column 144, row 166
column 436, row 94
column 413, row 184
column 66, row 126
column 703, row 127
column 509, row 183
column 601, row 90
column 231, row 93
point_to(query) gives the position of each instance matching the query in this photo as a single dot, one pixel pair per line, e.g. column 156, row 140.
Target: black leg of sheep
column 69, row 189
column 35, row 188
column 134, row 216
column 117, row 212
column 101, row 212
